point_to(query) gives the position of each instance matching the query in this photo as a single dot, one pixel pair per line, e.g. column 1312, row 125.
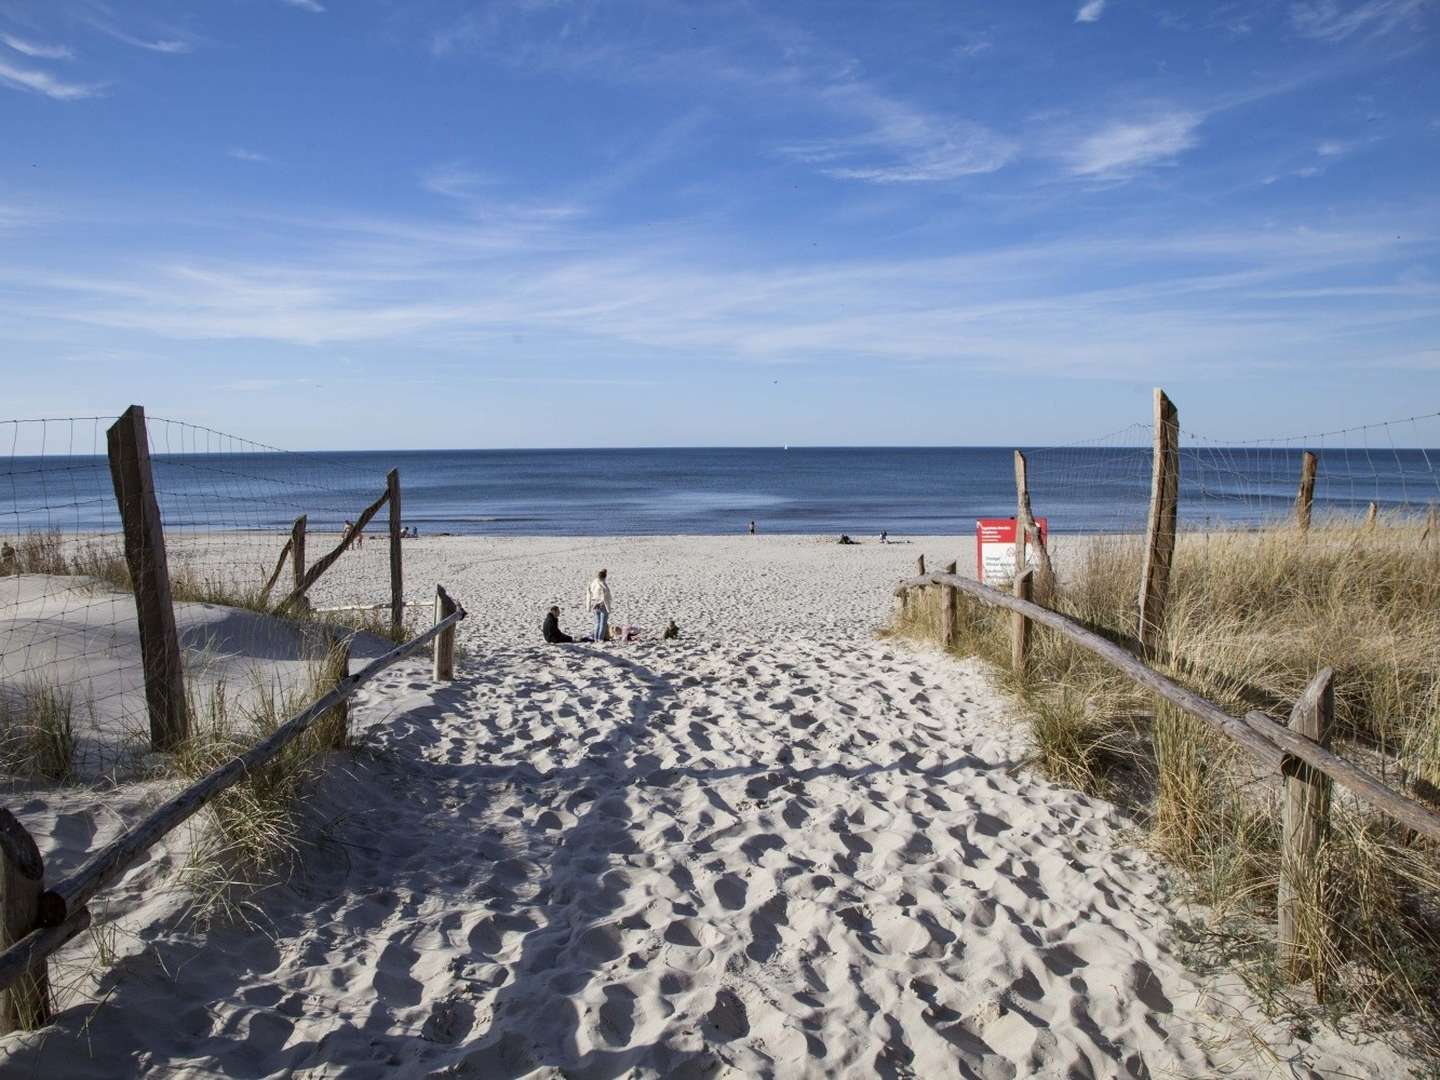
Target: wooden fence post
column 920, row 566
column 1160, row 528
column 1020, row 625
column 297, row 551
column 397, row 586
column 26, row 1005
column 128, row 444
column 1304, row 820
column 950, row 599
column 445, row 640
column 1305, row 497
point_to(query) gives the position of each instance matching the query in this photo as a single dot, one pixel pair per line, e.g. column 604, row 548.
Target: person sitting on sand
column 551, row 628
column 598, row 600
column 671, row 631
column 845, row 539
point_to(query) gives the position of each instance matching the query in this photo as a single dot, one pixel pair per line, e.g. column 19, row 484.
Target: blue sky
column 438, row 223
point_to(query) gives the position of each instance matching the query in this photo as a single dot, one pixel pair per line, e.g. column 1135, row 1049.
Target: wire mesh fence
column 1229, row 486
column 71, row 674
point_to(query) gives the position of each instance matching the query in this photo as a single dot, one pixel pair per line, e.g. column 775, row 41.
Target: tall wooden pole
column 1305, row 497
column 297, row 551
column 1022, row 498
column 1304, row 821
column 128, row 443
column 1160, row 528
column 397, row 585
column 26, row 1005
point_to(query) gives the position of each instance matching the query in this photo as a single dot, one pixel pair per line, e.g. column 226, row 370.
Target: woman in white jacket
column 598, row 599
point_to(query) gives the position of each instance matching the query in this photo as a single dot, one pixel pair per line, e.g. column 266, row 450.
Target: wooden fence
column 128, row 446
column 36, row 918
column 1299, row 753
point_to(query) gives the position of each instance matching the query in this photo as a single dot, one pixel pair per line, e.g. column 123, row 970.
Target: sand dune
column 700, row 858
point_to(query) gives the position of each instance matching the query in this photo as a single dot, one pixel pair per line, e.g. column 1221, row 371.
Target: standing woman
column 598, row 598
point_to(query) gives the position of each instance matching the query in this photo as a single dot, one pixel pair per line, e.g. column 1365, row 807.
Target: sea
column 860, row 491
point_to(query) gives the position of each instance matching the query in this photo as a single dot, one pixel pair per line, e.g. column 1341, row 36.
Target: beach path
column 681, row 859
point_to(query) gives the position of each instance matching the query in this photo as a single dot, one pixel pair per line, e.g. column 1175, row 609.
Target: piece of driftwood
column 1266, row 740
column 312, row 575
column 107, row 864
column 128, row 446
column 444, row 659
column 1305, row 497
column 1160, row 524
column 1305, row 816
column 1028, row 534
column 25, row 1006
column 397, row 582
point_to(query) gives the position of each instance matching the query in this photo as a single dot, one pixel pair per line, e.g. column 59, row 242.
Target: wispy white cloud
column 306, row 5
column 240, row 153
column 1090, row 11
column 454, row 180
column 42, row 82
column 1330, row 20
column 1190, row 296
column 901, row 144
column 37, row 50
column 1124, row 147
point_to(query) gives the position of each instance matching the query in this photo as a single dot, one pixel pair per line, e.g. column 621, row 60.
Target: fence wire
column 69, row 639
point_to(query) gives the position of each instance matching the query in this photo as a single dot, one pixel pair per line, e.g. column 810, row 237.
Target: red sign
column 995, row 548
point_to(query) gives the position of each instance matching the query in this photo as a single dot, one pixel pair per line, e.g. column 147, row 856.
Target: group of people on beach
column 597, row 601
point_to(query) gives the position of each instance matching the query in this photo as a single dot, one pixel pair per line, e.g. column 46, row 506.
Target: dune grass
column 1252, row 618
column 253, row 832
column 37, row 731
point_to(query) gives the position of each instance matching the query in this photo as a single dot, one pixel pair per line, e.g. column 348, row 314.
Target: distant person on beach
column 845, row 539
column 752, row 528
column 598, row 600
column 884, row 537
column 551, row 628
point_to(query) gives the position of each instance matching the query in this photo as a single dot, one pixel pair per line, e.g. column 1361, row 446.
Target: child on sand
column 598, row 600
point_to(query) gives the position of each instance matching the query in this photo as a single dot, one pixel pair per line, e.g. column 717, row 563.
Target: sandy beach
column 778, row 846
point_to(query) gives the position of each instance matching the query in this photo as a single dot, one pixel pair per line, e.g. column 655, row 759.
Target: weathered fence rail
column 38, row 920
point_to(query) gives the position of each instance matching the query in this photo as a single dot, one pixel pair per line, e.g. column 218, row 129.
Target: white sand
column 775, row 847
